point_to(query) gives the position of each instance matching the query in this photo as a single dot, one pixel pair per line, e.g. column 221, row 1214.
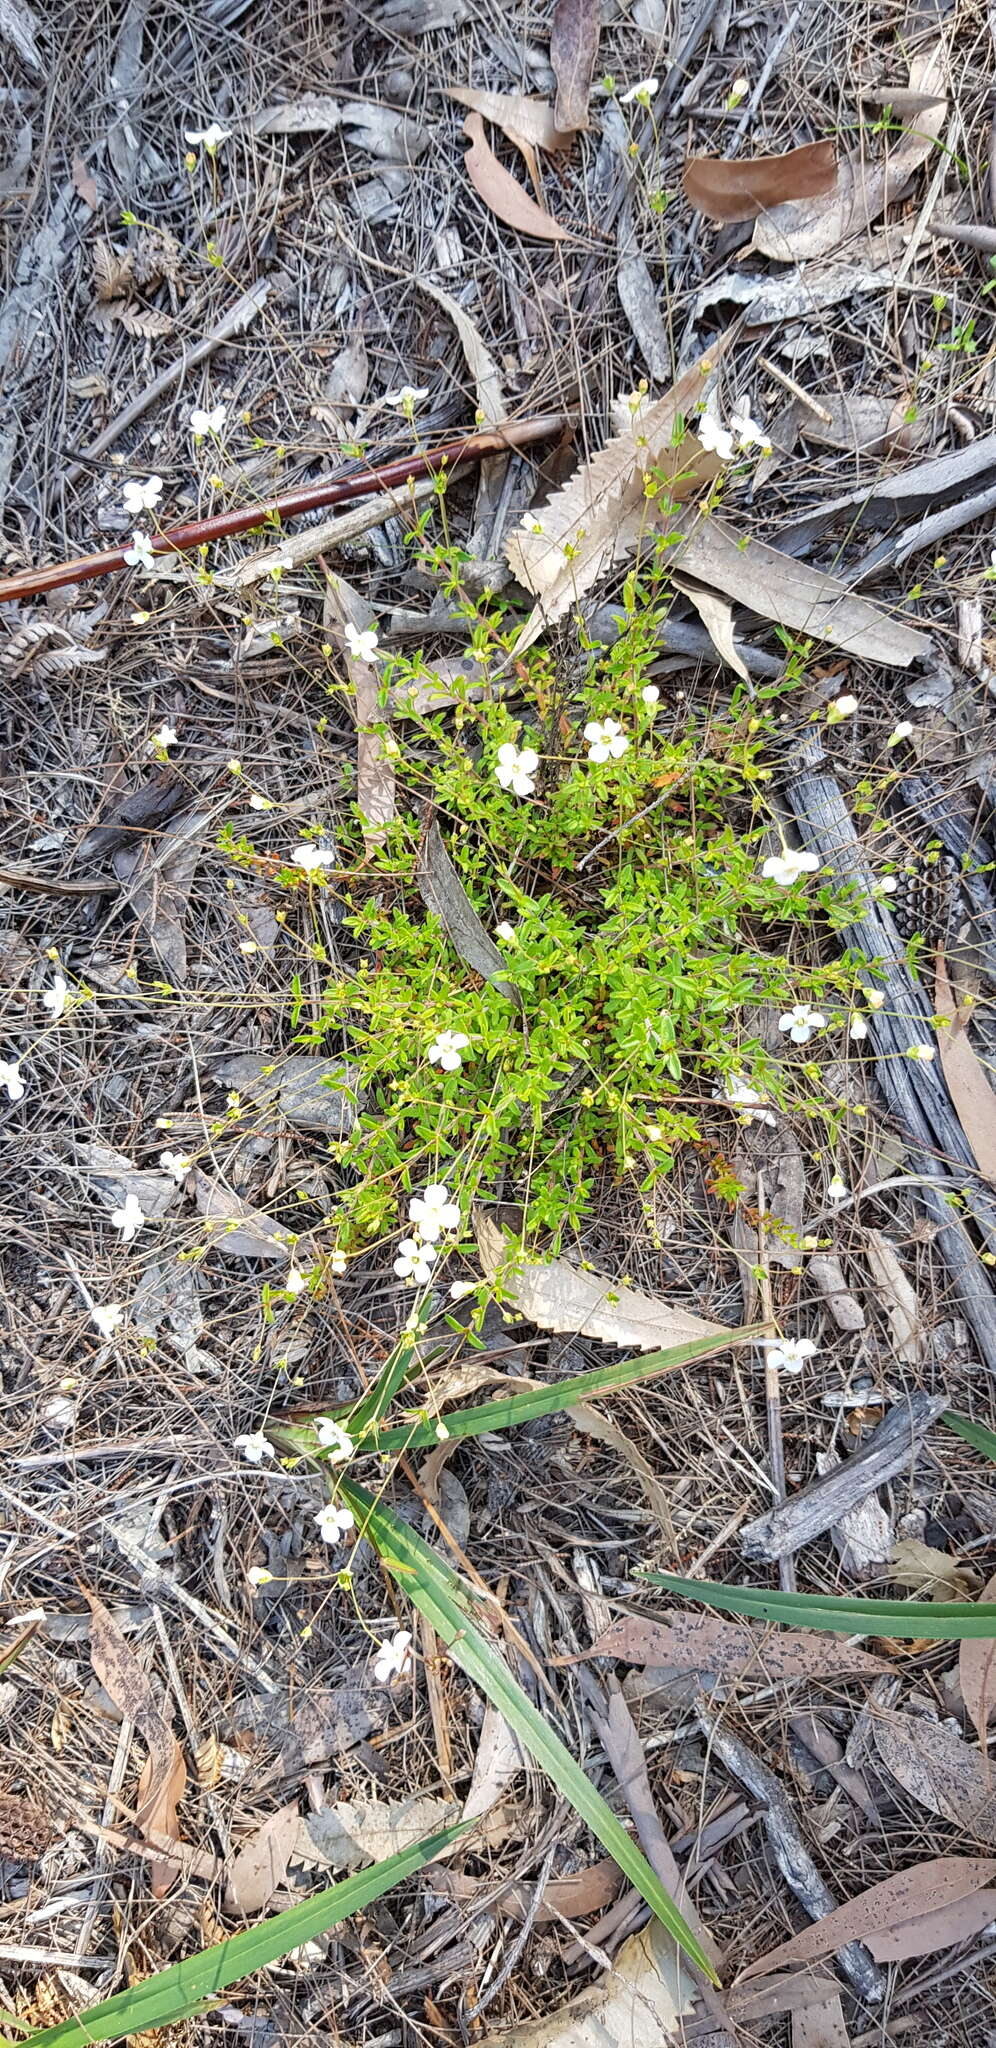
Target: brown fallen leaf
column 932, row 1931
column 164, row 1775
column 528, row 122
column 716, row 614
column 501, row 192
column 897, row 1296
column 375, row 778
column 812, row 227
column 939, row 1770
column 925, row 1889
column 157, row 879
column 259, row 1867
column 492, row 407
column 977, row 1674
column 821, row 2026
column 731, row 188
column 577, row 1896
column 968, row 1083
column 557, row 1296
column 85, row 184
column 443, row 893
column 925, row 1570
column 574, row 37
column 353, row 1832
column 729, row 1649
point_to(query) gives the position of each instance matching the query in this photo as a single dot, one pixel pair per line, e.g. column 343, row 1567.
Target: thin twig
column 772, row 1387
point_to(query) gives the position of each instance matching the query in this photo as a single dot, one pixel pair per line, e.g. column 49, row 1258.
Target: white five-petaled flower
column 295, row 1281
column 516, row 768
column 140, row 555
column 361, row 645
column 408, row 396
column 786, row 867
column 645, row 88
column 333, row 1523
column 857, row 1025
column 606, row 739
column 716, row 440
column 334, row 1439
column 747, row 433
column 130, row 1218
column 414, row 1261
column 650, row 694
column 874, row 997
column 255, row 1447
column 838, row 1189
column 789, row 1354
column 921, row 1052
column 741, row 1096
column 433, row 1212
column 202, row 422
column 54, row 998
column 505, row 931
column 842, row 707
column 394, row 1658
column 258, row 1575
column 337, row 1264
column 532, row 522
column 108, row 1319
column 210, row 138
column 176, row 1163
column 141, row 497
column 899, row 732
column 459, row 1289
column 801, row 1022
column 885, row 886
column 165, row 737
column 10, row 1079
column 445, row 1050
column 310, row 857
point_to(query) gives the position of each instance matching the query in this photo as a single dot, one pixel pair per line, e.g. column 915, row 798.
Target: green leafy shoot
column 187, row 1988
column 841, row 1614
column 441, row 1596
column 974, row 1433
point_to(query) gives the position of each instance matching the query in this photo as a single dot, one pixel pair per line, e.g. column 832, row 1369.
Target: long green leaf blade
column 441, row 1596
column 974, row 1433
column 940, row 1620
column 182, row 1989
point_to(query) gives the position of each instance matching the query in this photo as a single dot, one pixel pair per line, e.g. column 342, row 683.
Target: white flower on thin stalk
column 842, row 707
column 747, row 433
column 516, row 768
column 716, row 440
column 857, row 1025
column 921, row 1052
column 128, row 1220
column 414, row 1261
column 874, row 997
column 785, row 868
column 739, row 1095
column 650, row 694
column 394, row 1658
column 337, row 1264
column 459, row 1289
column 334, row 1523
column 446, row 1049
column 885, row 886
column 142, row 497
column 176, row 1163
column 407, row 397
column 361, row 645
column 532, row 523
column 606, row 740
column 255, row 1447
column 789, row 1354
column 433, row 1212
column 801, row 1023
column 296, row 1282
column 54, row 998
column 258, row 1575
column 643, row 90
column 203, row 422
column 209, row 138
column 310, row 857
column 505, row 931
column 10, row 1079
column 165, row 737
column 334, row 1439
column 140, row 555
column 838, row 1189
column 902, row 731
column 108, row 1319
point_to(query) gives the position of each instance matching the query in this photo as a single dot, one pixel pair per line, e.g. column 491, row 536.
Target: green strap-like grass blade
column 462, row 1623
column 940, row 1620
column 182, row 1990
column 974, row 1433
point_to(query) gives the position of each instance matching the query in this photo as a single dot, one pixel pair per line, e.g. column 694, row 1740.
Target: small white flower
column 801, row 1022
column 857, row 1026
column 295, row 1281
column 445, row 1050
column 140, row 618
column 165, row 737
column 838, row 1189
column 842, row 707
column 408, row 396
column 650, row 694
column 921, row 1052
column 140, row 554
column 644, row 89
column 202, row 422
column 108, row 1319
column 333, row 1523
column 257, row 1575
column 747, row 433
column 654, row 1133
column 176, row 1163
column 130, row 1218
column 532, row 522
column 260, row 803
column 334, row 1439
column 139, row 497
column 459, row 1289
column 789, row 1355
column 516, row 768
column 885, row 886
column 741, row 1096
column 414, row 1261
column 606, row 740
column 716, row 440
column 54, row 998
column 337, row 1264
column 10, row 1078
column 394, row 1658
column 785, row 868
column 255, row 1448
column 362, row 646
column 874, row 997
column 738, row 91
column 211, row 138
column 310, row 857
column 505, row 931
column 433, row 1212
column 900, row 732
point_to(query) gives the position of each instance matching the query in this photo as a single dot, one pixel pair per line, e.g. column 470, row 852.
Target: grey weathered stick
column 810, row 1513
column 790, row 1851
column 443, row 893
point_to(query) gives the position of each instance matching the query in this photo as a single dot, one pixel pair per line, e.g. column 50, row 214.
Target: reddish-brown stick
column 328, row 490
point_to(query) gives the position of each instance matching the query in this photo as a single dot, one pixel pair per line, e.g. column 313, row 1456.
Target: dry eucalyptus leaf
column 528, row 122
column 932, row 1931
column 734, row 1649
column 236, row 1229
column 557, row 1296
column 576, row 1896
column 115, row 1178
column 500, row 1759
column 164, row 1776
column 977, row 1674
column 925, row 1570
column 160, row 876
column 968, row 1082
column 639, row 2003
column 443, row 893
column 491, row 403
column 384, row 132
column 939, row 1770
column 897, row 1902
column 896, row 1296
column 313, row 115
column 375, row 778
column 716, row 614
column 259, row 1867
column 351, row 1833
column 501, row 192
column 739, row 188
column 574, row 34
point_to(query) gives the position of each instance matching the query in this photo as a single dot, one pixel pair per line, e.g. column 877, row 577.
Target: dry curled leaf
column 733, row 1649
column 501, row 192
column 939, row 1770
column 734, row 188
column 528, row 122
column 260, row 1865
column 968, row 1083
column 164, row 1775
column 574, row 34
column 898, row 1901
column 977, row 1674
column 557, row 1296
column 443, row 893
column 925, row 1570
column 112, row 269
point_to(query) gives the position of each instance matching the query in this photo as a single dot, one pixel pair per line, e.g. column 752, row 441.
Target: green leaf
column 941, row 1620
column 974, row 1433
column 182, row 1990
column 396, row 1369
column 462, row 1621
